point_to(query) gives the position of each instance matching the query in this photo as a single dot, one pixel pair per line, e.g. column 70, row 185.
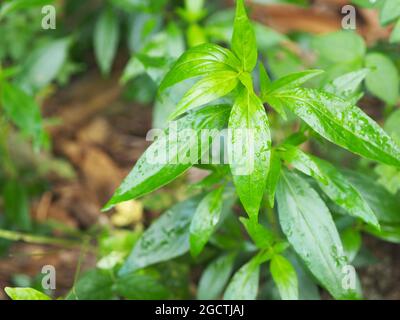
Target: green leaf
column 244, row 283
column 341, row 123
column 352, row 241
column 383, row 80
column 210, row 88
column 395, row 35
column 11, row 6
column 93, row 285
column 140, row 285
column 106, row 38
column 215, row 277
column 165, row 160
column 333, row 183
column 16, row 205
column 340, row 47
column 273, row 177
column 346, row 86
column 243, row 42
column 302, row 162
column 265, row 81
column 385, row 205
column 199, row 61
column 390, row 11
column 43, row 65
column 25, row 294
column 24, row 112
column 249, row 148
column 344, row 194
column 167, row 238
column 388, row 232
column 291, row 81
column 261, row 236
column 205, row 220
column 285, row 278
column 308, row 225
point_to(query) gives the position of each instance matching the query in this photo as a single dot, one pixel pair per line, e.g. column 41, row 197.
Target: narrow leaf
column 249, row 148
column 167, row 238
column 211, row 88
column 205, row 219
column 106, row 38
column 341, row 123
column 262, row 237
column 244, row 43
column 308, row 225
column 25, row 294
column 166, row 158
column 273, row 178
column 285, row 278
column 202, row 60
column 292, row 80
column 215, row 277
column 244, row 284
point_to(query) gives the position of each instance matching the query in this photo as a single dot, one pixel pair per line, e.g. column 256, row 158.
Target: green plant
column 282, row 216
column 282, row 169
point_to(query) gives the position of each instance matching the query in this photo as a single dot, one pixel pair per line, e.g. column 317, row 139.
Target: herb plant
column 302, row 186
column 277, row 212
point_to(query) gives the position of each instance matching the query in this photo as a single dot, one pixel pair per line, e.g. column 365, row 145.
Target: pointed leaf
column 249, row 148
column 261, row 236
column 205, row 219
column 341, row 123
column 346, row 86
column 25, row 294
column 162, row 162
column 273, row 178
column 285, row 278
column 292, row 80
column 106, row 38
column 244, row 284
column 211, row 88
column 215, row 277
column 308, row 225
column 167, row 237
column 202, row 60
column 244, row 43
column 343, row 193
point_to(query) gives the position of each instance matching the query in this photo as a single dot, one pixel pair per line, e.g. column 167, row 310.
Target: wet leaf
column 209, row 89
column 25, row 294
column 285, row 277
column 243, row 42
column 167, row 237
column 215, row 277
column 165, row 160
column 205, row 220
column 200, row 61
column 309, row 227
column 244, row 283
column 341, row 123
column 249, row 147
